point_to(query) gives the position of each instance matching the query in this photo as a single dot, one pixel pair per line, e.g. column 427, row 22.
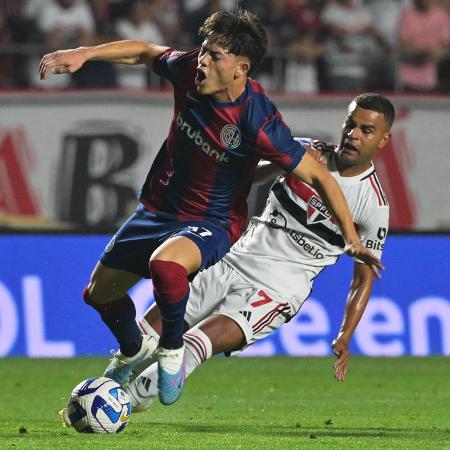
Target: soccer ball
column 97, row 405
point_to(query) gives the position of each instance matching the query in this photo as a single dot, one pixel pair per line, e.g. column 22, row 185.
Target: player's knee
column 91, row 297
column 170, row 280
column 225, row 334
column 94, row 294
column 105, row 286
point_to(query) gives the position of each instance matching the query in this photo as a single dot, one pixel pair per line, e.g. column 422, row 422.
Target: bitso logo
column 230, row 136
column 381, row 233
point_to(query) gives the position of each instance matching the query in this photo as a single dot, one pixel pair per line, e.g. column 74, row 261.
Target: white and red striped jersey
column 296, row 236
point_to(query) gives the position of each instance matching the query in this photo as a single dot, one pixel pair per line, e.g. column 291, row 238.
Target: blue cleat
column 120, row 368
column 171, row 374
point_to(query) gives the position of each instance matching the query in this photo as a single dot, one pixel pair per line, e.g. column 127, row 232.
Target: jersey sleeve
column 175, row 65
column 274, row 142
column 374, row 230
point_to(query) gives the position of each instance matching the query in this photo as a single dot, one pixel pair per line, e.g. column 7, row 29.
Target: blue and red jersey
column 205, row 167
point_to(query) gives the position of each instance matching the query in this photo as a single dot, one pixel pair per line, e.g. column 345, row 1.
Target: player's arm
column 122, row 52
column 267, row 171
column 357, row 300
column 311, row 172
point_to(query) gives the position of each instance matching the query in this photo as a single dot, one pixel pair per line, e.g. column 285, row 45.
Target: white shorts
column 222, row 290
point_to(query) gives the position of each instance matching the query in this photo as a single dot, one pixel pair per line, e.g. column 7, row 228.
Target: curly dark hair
column 238, row 31
column 378, row 103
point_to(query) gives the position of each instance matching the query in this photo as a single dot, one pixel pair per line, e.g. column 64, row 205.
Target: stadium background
column 74, row 151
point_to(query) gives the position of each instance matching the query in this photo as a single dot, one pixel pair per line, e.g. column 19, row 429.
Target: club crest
column 230, row 136
column 317, row 211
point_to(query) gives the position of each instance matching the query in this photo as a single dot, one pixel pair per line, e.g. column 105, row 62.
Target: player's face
column 218, row 70
column 364, row 132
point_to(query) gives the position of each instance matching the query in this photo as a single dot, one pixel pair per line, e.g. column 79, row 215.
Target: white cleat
column 143, row 389
column 121, row 367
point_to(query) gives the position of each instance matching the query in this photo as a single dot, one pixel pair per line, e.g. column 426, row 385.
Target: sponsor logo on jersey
column 199, row 140
column 381, row 234
column 306, row 245
column 374, row 244
column 277, row 220
column 317, row 211
column 230, row 136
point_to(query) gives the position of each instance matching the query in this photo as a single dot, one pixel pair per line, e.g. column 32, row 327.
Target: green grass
column 233, row 403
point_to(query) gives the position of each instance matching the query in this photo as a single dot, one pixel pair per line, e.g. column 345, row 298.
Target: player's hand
column 315, row 154
column 366, row 256
column 62, row 61
column 340, row 349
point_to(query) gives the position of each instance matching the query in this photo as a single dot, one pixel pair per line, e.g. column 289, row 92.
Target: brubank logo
column 230, row 136
column 198, row 139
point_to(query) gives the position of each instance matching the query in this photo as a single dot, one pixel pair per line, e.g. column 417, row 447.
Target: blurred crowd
column 314, row 45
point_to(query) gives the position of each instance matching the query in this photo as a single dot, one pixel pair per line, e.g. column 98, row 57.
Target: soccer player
column 268, row 274
column 193, row 203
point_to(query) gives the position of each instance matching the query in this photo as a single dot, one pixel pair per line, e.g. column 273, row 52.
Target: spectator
column 6, row 61
column 66, row 23
column 63, row 23
column 281, row 30
column 103, row 12
column 140, row 24
column 32, row 8
column 302, row 68
column 302, row 72
column 352, row 42
column 257, row 7
column 14, row 29
column 193, row 20
column 385, row 18
column 169, row 21
column 424, row 41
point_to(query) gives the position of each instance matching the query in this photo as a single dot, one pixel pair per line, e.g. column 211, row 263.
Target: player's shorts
column 257, row 310
column 132, row 246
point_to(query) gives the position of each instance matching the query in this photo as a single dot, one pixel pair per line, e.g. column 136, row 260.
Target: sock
column 120, row 317
column 198, row 350
column 171, row 289
column 147, row 329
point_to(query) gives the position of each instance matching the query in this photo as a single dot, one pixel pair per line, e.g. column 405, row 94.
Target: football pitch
column 245, row 403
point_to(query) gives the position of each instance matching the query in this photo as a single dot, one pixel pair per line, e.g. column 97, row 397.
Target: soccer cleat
column 138, row 403
column 64, row 416
column 121, row 367
column 171, row 374
column 143, row 389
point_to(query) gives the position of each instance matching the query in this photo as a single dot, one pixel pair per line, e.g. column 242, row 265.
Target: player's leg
column 191, row 249
column 123, row 263
column 207, row 291
column 107, row 294
column 170, row 266
column 247, row 314
column 243, row 314
column 214, row 335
